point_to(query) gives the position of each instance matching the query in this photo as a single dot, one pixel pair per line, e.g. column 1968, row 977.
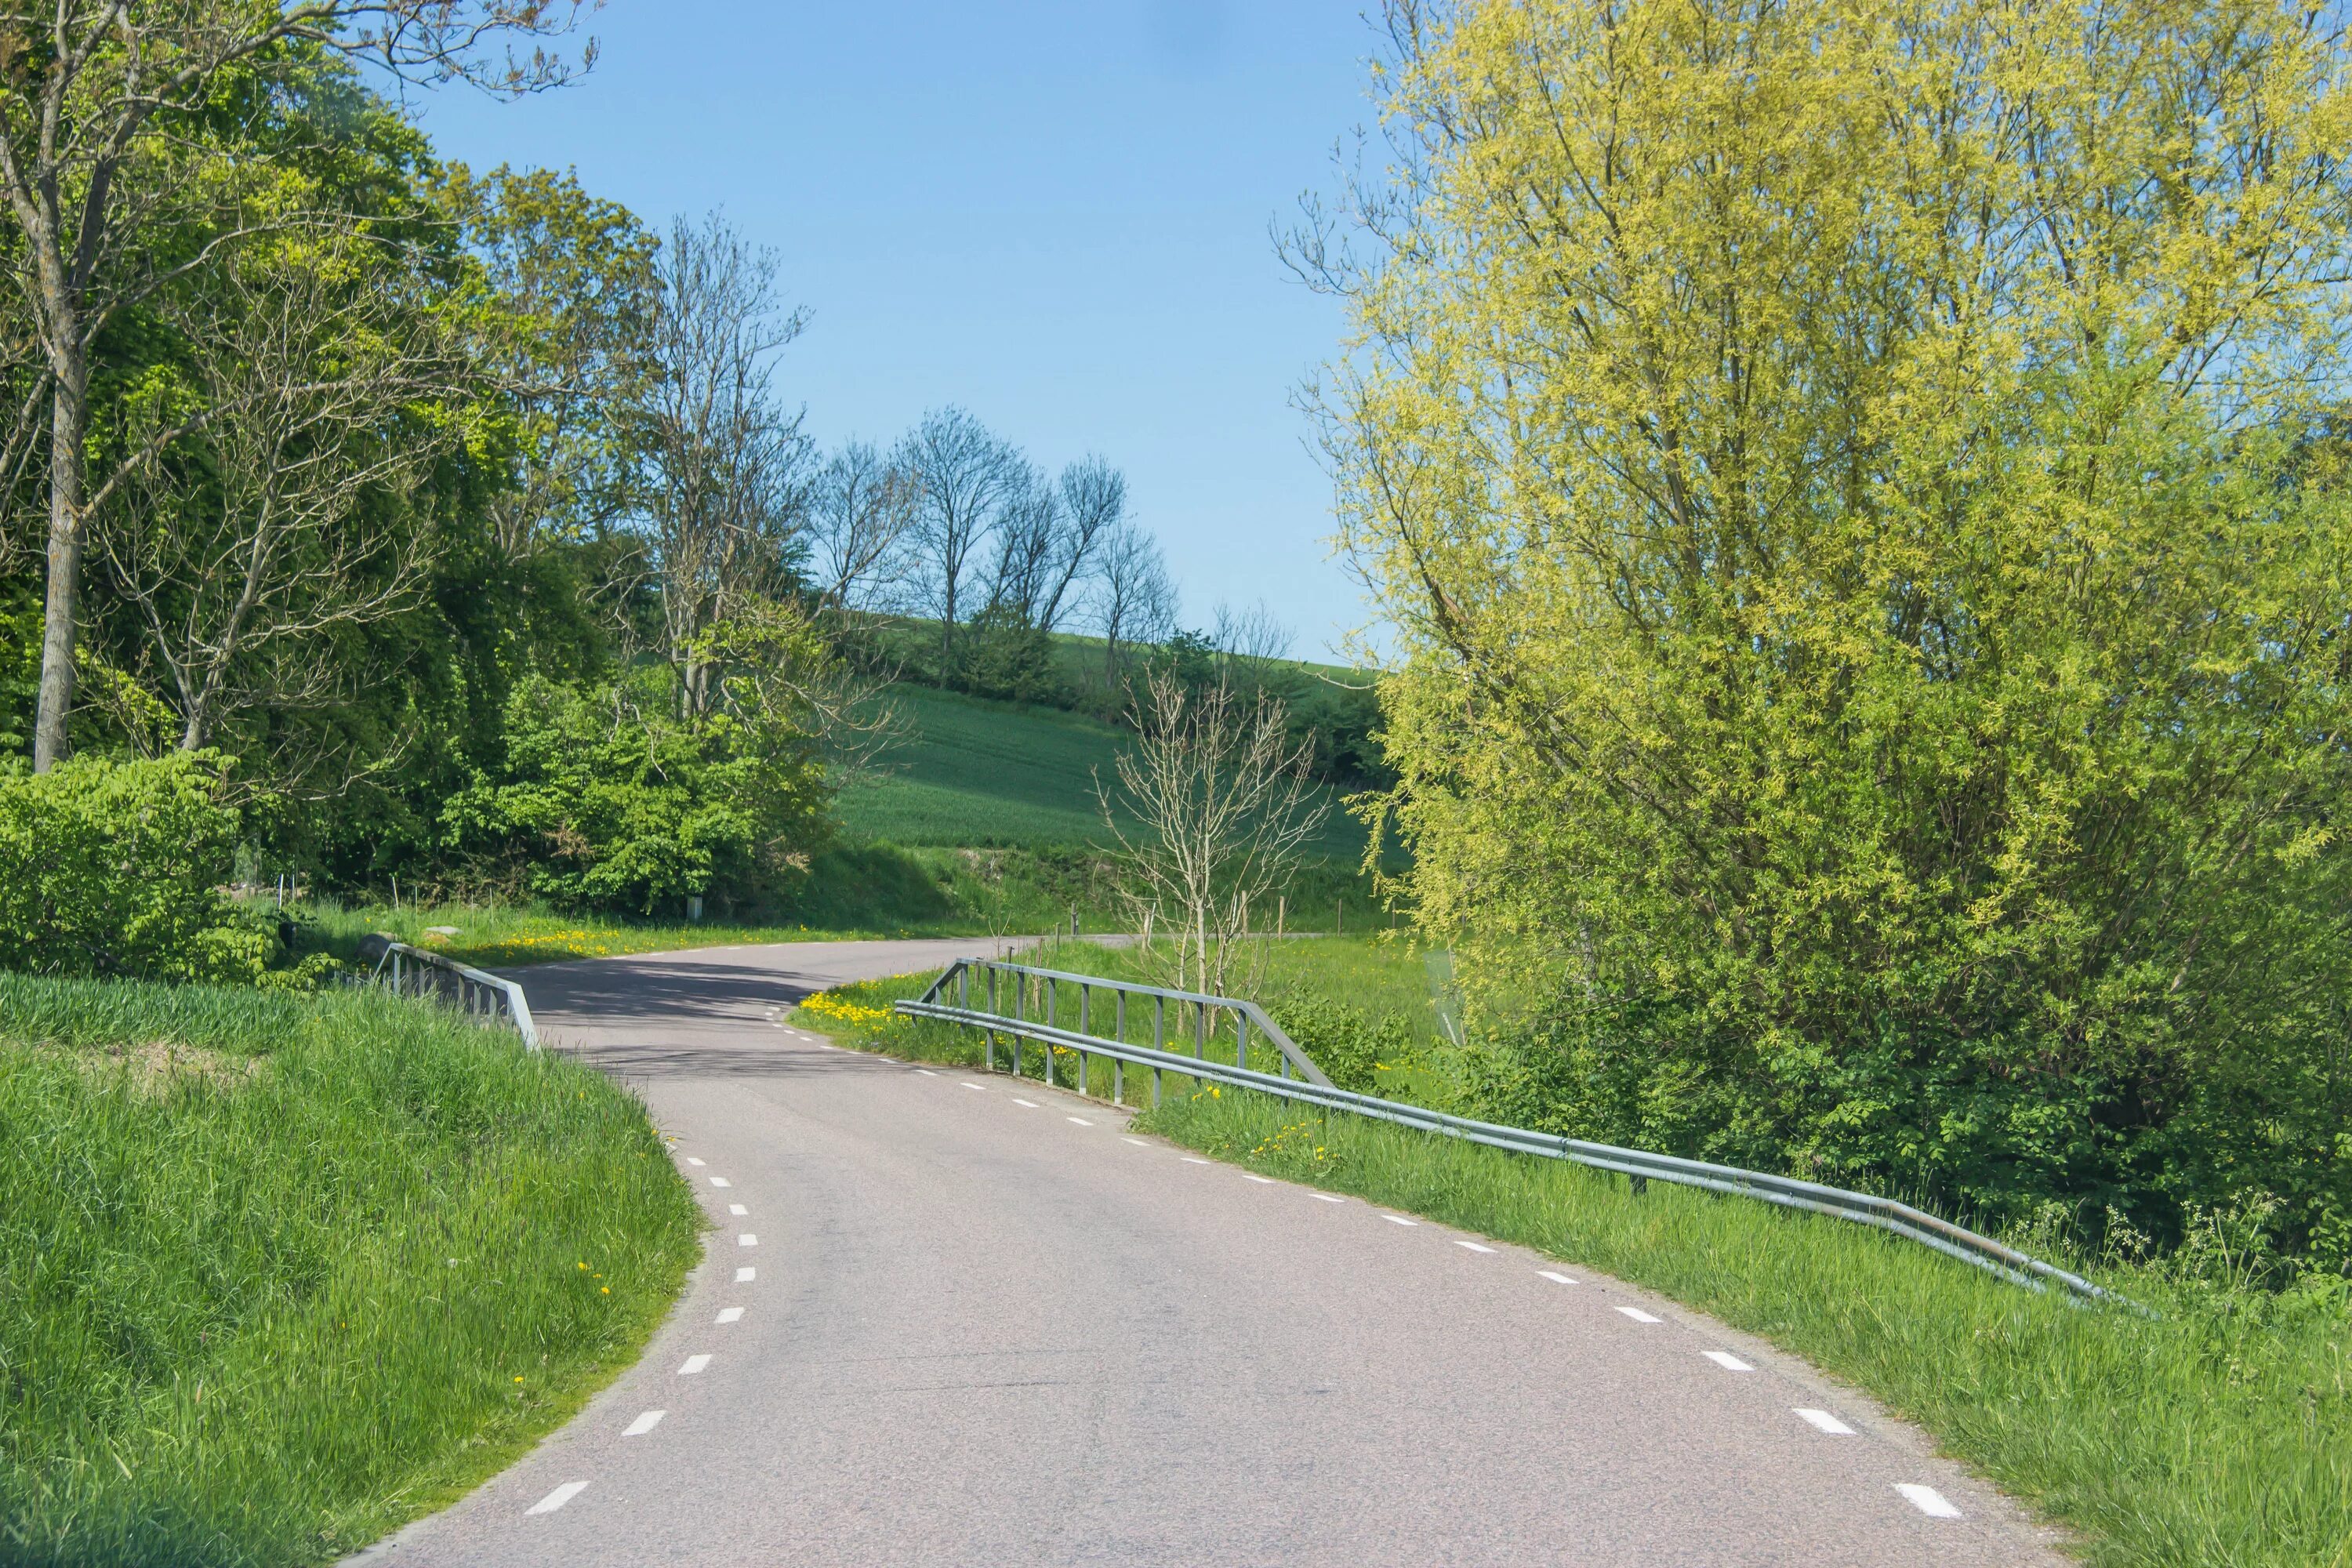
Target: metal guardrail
column 1313, row 1088
column 416, row 972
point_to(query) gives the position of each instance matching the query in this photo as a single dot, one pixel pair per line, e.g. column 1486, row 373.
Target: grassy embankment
column 986, row 825
column 2217, row 1432
column 278, row 1273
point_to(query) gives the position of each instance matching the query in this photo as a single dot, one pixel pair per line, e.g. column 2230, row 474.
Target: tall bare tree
column 968, row 478
column 1134, row 600
column 278, row 519
column 93, row 90
column 729, row 466
column 1213, row 810
column 1093, row 497
column 862, row 513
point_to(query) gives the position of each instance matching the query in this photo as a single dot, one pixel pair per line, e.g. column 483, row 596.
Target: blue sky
column 1055, row 214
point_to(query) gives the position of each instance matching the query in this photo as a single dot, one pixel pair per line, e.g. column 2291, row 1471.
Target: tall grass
column 2215, row 1433
column 280, row 1273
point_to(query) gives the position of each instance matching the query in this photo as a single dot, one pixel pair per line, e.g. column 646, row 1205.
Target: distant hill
column 983, row 775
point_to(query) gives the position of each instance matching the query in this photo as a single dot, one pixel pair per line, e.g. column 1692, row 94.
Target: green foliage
column 1875, row 679
column 610, row 801
column 1349, row 1043
column 1001, row 654
column 111, row 869
column 277, row 1274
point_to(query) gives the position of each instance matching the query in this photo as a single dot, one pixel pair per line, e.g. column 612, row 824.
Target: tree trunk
column 68, row 413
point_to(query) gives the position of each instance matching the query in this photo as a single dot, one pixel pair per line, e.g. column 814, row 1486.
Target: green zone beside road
column 280, row 1272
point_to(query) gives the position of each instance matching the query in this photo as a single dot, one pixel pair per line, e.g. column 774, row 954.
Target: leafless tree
column 968, row 478
column 94, row 90
column 1028, row 540
column 1249, row 638
column 240, row 541
column 1094, row 504
column 729, row 466
column 1134, row 601
column 862, row 515
column 1213, row 809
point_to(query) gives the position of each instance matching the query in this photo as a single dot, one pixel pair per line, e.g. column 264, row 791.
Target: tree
column 1092, row 497
column 729, row 465
column 1849, row 482
column 96, row 93
column 1220, row 807
column 862, row 514
column 1134, row 599
column 967, row 477
column 285, row 513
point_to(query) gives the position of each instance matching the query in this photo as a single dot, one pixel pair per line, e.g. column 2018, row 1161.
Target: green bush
column 1349, row 1044
column 112, row 868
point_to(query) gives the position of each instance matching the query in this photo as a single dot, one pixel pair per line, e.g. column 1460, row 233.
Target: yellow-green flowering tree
column 1856, row 484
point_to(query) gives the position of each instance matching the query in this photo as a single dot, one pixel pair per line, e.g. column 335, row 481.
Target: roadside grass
column 2216, row 1432
column 280, row 1273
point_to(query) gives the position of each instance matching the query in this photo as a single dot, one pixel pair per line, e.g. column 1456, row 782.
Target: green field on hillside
column 995, row 774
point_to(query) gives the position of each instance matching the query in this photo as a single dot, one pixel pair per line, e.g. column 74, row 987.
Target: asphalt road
column 950, row 1319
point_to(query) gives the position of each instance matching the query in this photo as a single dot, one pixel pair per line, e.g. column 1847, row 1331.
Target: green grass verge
column 278, row 1273
column 2218, row 1432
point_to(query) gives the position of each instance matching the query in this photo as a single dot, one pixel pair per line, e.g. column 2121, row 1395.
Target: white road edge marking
column 1471, row 1245
column 692, row 1161
column 694, row 1364
column 1727, row 1360
column 1137, row 1141
column 1080, row 1119
column 1638, row 1316
column 1399, row 1219
column 737, row 1210
column 559, row 1497
column 731, row 1315
column 1328, row 1197
column 644, row 1424
column 720, row 1182
column 1261, row 1180
column 1826, row 1422
column 1030, row 1103
column 926, row 1072
column 745, row 1276
column 1555, row 1279
column 1189, row 1161
column 968, row 1084
column 747, row 1239
column 1927, row 1500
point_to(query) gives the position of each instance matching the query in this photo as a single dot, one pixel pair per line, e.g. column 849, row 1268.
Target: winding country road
column 953, row 1318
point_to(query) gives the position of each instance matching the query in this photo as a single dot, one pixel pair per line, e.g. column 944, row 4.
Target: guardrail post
column 1118, row 1082
column 963, row 986
column 1086, row 1062
column 1241, row 1039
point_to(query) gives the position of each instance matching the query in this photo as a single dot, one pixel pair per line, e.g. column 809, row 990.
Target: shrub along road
column 951, row 1317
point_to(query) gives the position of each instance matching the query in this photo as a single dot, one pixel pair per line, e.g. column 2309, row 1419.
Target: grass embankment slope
column 279, row 1272
column 2217, row 1431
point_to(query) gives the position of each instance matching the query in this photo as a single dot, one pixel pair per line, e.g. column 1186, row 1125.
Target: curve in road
column 947, row 1318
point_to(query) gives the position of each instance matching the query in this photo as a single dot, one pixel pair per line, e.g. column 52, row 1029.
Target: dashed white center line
column 1555, row 1278
column 1927, row 1500
column 644, row 1424
column 1080, row 1119
column 1472, row 1246
column 1826, row 1422
column 1638, row 1316
column 1261, row 1180
column 559, row 1497
column 1327, row 1197
column 731, row 1315
column 1030, row 1103
column 692, row 1161
column 1399, row 1219
column 1727, row 1360
column 747, row 1239
column 737, row 1210
column 694, row 1364
column 745, row 1276
column 720, row 1182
